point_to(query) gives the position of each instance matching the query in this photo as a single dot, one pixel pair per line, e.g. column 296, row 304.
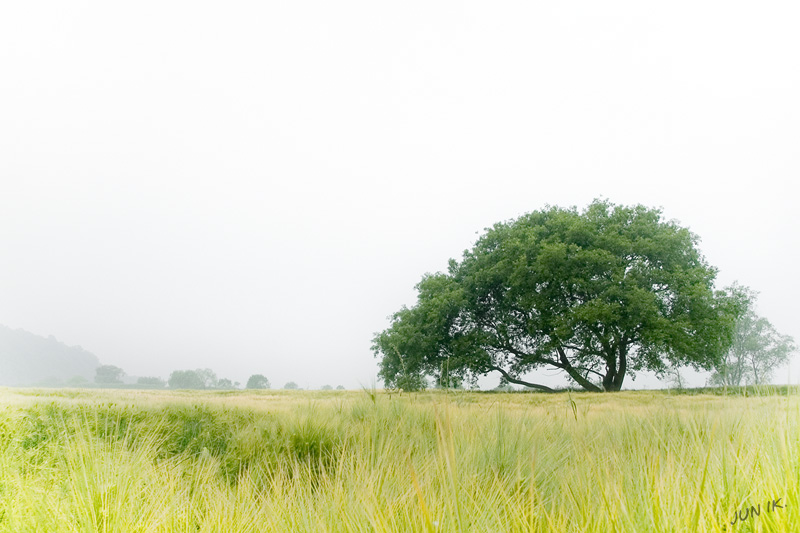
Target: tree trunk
column 622, row 368
column 574, row 374
column 755, row 371
column 609, row 378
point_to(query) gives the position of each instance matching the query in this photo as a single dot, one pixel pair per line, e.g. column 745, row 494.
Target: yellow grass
column 105, row 460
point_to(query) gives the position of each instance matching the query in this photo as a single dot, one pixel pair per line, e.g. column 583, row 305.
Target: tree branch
column 587, row 370
column 574, row 374
column 508, row 377
column 583, row 350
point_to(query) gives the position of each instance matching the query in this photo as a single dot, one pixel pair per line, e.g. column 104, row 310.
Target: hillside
column 28, row 359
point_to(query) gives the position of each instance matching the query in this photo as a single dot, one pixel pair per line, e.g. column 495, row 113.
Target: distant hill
column 28, row 359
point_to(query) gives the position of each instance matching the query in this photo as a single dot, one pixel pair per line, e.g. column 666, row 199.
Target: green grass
column 101, row 460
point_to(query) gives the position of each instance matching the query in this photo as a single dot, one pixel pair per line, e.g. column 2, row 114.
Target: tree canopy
column 598, row 294
column 150, row 381
column 108, row 375
column 186, row 379
column 757, row 348
column 201, row 378
column 258, row 381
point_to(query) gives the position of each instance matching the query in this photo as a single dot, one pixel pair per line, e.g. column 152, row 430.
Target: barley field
column 146, row 461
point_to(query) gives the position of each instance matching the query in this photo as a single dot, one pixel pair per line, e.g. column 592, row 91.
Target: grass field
column 104, row 460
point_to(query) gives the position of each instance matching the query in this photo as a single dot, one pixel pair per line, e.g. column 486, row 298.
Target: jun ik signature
column 753, row 511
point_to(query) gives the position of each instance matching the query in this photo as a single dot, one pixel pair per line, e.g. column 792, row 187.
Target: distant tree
column 339, row 387
column 200, row 378
column 674, row 378
column 186, row 379
column 224, row 384
column 291, row 386
column 151, row 382
column 208, row 376
column 757, row 347
column 326, row 387
column 257, row 381
column 109, row 375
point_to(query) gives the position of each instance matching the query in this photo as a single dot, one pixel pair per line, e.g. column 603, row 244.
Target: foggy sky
column 256, row 186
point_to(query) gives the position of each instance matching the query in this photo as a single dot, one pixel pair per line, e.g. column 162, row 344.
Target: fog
column 255, row 187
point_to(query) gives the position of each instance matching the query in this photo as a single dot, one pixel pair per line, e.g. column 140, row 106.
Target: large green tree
column 757, row 349
column 598, row 294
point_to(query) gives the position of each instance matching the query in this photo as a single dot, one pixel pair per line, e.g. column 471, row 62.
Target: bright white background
column 256, row 186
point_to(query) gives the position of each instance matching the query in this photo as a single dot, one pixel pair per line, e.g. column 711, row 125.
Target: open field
column 104, row 460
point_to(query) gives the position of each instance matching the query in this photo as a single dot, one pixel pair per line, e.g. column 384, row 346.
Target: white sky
column 256, row 186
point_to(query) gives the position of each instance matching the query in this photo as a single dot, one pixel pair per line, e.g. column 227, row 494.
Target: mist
column 256, row 188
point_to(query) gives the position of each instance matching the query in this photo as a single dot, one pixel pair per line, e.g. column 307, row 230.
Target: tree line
column 198, row 379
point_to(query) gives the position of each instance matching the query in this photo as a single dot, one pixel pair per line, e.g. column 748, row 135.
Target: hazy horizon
column 255, row 188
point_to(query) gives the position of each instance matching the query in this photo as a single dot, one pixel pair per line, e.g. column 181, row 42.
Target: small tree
column 291, row 386
column 201, row 378
column 339, row 387
column 326, row 387
column 224, row 384
column 257, row 381
column 186, row 379
column 674, row 378
column 757, row 347
column 208, row 376
column 109, row 375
